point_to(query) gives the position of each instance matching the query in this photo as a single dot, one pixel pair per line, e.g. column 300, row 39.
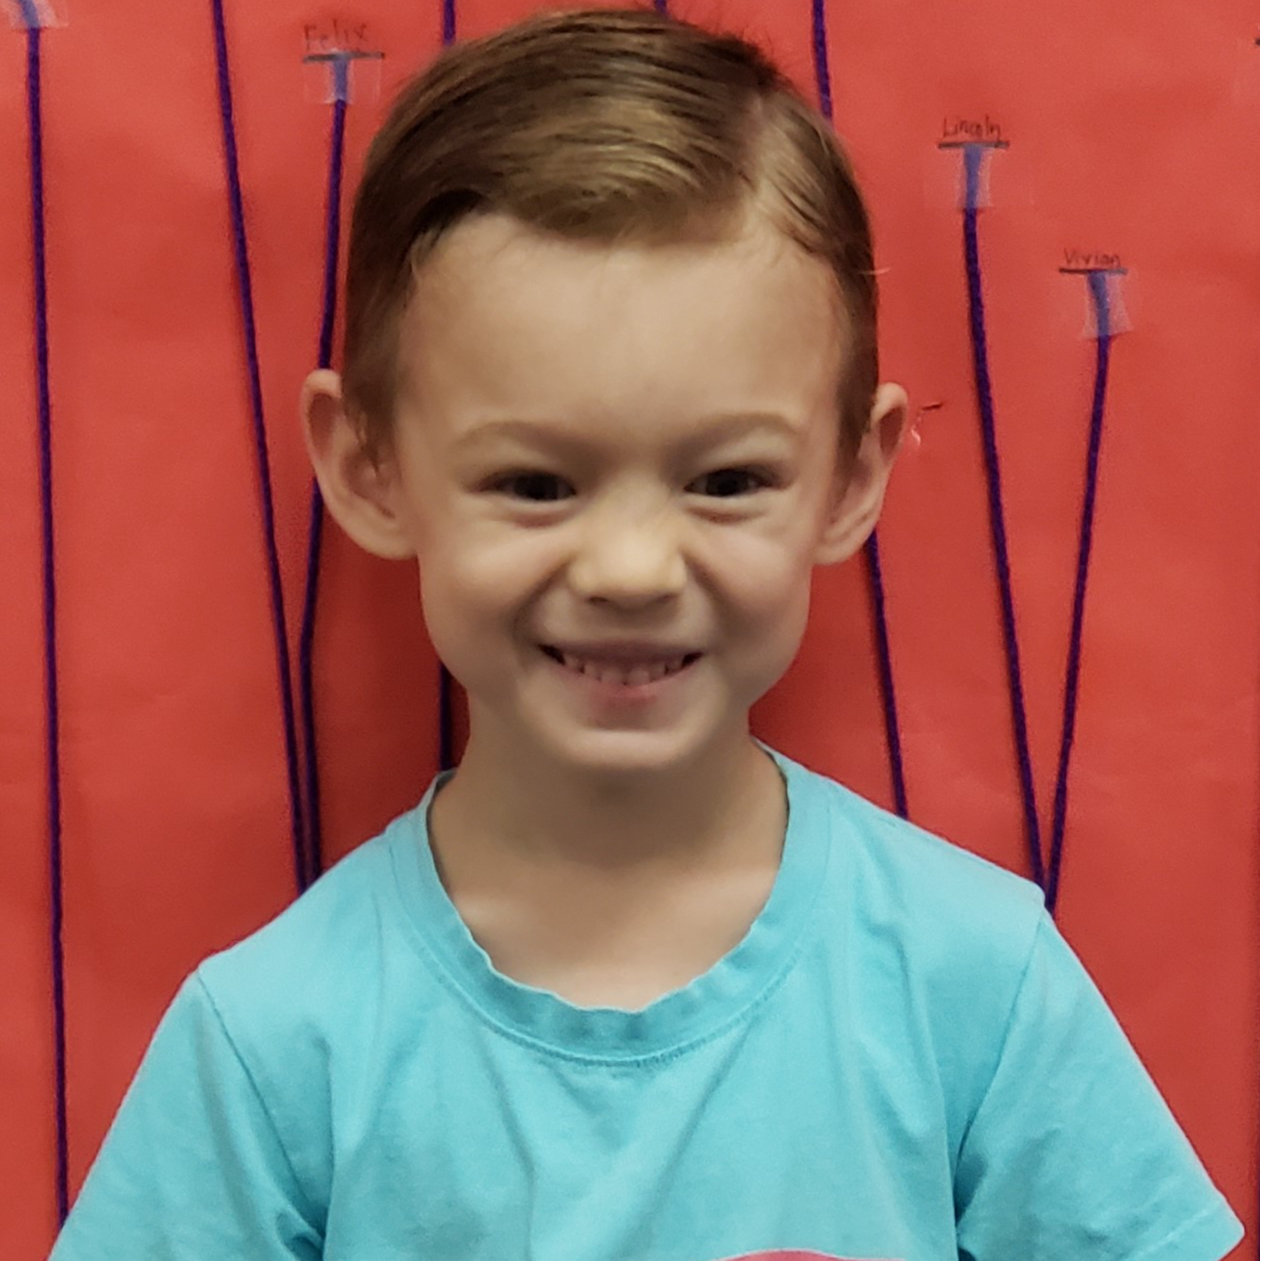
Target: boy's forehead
column 491, row 254
column 504, row 317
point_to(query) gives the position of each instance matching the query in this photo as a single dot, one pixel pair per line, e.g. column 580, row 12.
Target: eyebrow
column 713, row 428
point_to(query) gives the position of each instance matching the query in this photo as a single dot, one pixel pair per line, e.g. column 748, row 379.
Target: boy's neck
column 610, row 898
column 725, row 809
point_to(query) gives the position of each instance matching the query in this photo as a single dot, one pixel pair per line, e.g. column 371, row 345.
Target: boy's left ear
column 859, row 493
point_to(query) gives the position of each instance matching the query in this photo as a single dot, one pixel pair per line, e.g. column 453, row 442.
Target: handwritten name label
column 1086, row 261
column 338, row 36
column 958, row 128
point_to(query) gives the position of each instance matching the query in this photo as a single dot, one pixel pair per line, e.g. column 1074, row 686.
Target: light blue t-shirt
column 903, row 1059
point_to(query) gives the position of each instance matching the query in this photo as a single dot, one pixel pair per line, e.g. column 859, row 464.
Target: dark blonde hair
column 619, row 126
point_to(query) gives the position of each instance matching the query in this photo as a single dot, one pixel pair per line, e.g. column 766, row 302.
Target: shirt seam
column 445, row 977
column 308, row 1207
column 1206, row 1215
column 1039, row 928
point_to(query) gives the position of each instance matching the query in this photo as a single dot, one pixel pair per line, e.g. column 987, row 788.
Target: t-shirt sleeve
column 1072, row 1151
column 192, row 1167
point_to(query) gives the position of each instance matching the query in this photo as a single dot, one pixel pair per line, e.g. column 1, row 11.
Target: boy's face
column 572, row 464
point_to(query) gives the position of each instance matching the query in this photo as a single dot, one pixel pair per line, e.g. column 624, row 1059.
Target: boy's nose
column 628, row 558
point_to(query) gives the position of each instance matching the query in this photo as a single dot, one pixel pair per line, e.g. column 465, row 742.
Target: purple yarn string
column 315, row 536
column 1098, row 282
column 980, row 360
column 821, row 74
column 302, row 873
column 446, row 715
column 53, row 710
column 888, row 699
column 892, row 736
column 446, row 703
column 315, row 543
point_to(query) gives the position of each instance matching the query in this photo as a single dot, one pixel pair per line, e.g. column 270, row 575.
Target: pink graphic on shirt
column 798, row 1254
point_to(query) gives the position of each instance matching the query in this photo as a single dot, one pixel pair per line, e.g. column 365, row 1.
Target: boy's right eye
column 530, row 486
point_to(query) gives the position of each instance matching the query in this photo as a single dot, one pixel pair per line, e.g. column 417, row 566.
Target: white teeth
column 606, row 672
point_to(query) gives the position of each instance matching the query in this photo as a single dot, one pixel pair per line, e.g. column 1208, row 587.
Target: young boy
column 629, row 985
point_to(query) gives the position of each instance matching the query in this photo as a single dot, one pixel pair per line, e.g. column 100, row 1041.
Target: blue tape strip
column 29, row 16
column 1098, row 282
column 341, row 78
column 973, row 156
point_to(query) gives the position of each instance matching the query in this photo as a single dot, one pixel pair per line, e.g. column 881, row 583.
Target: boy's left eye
column 729, row 476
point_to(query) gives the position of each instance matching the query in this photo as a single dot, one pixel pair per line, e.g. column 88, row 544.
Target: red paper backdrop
column 1132, row 130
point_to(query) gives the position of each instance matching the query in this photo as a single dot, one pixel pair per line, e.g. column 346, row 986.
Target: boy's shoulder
column 918, row 924
column 954, row 904
column 324, row 946
column 919, row 860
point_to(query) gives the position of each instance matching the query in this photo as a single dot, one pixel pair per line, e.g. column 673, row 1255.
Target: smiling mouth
column 627, row 673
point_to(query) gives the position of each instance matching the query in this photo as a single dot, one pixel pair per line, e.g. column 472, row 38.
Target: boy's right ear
column 365, row 498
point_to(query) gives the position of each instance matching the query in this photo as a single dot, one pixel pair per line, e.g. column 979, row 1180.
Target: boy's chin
column 618, row 756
